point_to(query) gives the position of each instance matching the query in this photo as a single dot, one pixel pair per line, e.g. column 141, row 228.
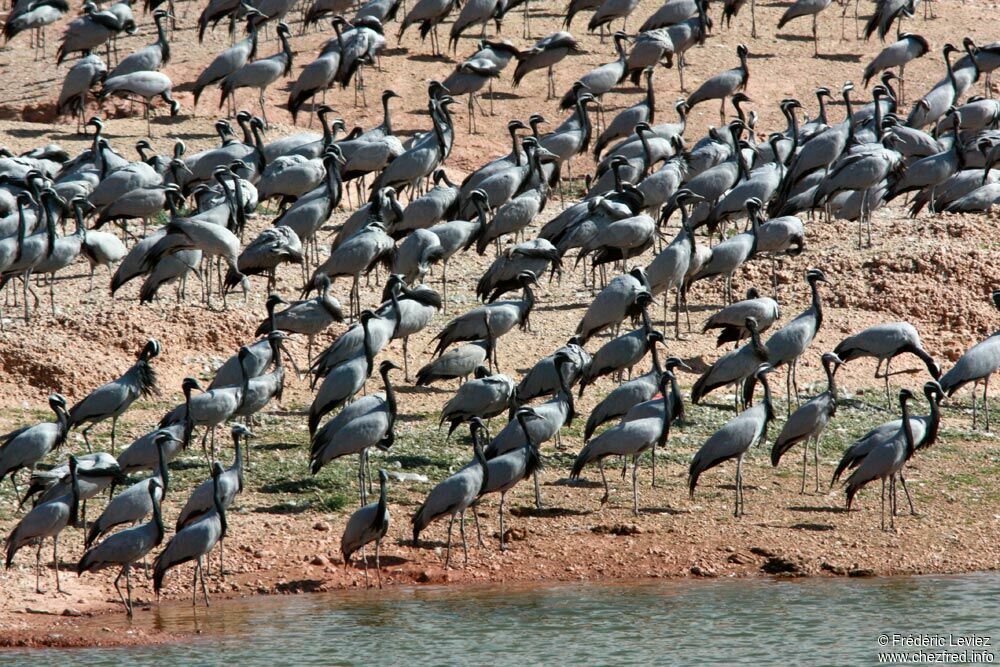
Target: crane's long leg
column 447, row 558
column 378, row 564
column 635, row 484
column 128, row 609
column 502, row 498
column 38, row 568
column 55, row 561
column 114, row 430
column 538, row 493
column 909, row 500
column 194, row 587
column 204, row 588
column 479, row 532
column 461, row 530
column 604, row 479
column 816, row 460
column 986, row 402
column 805, row 458
column 815, row 38
column 883, row 503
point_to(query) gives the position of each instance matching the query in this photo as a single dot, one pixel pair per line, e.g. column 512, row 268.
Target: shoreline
column 107, row 627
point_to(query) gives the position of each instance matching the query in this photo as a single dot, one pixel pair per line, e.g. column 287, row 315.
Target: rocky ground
column 933, row 271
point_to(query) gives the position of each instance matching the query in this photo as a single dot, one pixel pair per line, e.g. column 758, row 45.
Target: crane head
column 933, row 389
column 241, row 431
column 675, row 362
column 815, row 275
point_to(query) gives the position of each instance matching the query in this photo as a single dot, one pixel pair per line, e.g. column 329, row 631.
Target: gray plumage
column 85, row 73
column 150, row 58
column 365, row 423
column 885, row 460
column 733, row 440
column 194, row 540
column 732, row 367
column 543, row 379
column 46, row 519
column 134, row 503
column 977, row 365
column 613, row 303
column 884, row 342
column 114, row 398
column 345, row 380
column 790, row 342
column 456, row 363
column 368, row 524
column 486, row 396
column 536, row 256
column 809, row 421
column 128, row 546
column 620, row 354
column 452, row 496
column 730, row 320
column 26, row 446
column 227, row 485
column 723, row 85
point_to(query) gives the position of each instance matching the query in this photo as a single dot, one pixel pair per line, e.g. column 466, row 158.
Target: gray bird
column 601, row 79
column 809, row 421
column 309, row 317
column 732, row 367
column 368, row 524
column 620, row 354
column 507, row 470
column 611, row 10
column 453, row 496
column 457, row 363
column 618, row 300
column 213, row 407
column 429, row 14
column 436, row 205
column 85, row 73
column 898, row 54
column 925, row 430
column 885, row 461
column 344, row 381
column 730, row 320
column 628, row 438
column 545, row 54
column 259, row 74
column 670, row 266
column 884, row 342
column 543, row 378
column 150, row 58
column 365, row 423
column 273, row 247
column 723, row 85
column 558, row 411
column 145, row 86
column 805, row 8
column 194, row 541
column 114, row 398
column 491, row 320
column 474, row 13
column 628, row 394
column 486, row 396
column 46, row 519
column 733, row 440
column 536, row 256
column 977, row 365
column 26, row 446
column 728, row 256
column 791, row 341
column 231, row 59
column 135, row 503
column 128, row 546
column 143, row 454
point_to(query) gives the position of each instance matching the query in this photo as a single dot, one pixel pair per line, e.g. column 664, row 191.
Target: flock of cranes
column 759, row 199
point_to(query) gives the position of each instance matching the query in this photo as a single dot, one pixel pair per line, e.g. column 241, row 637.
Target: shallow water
column 710, row 622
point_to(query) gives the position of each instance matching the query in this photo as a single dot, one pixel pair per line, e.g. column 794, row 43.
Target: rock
column 33, row 610
column 407, row 476
column 699, row 571
column 740, row 559
column 322, row 526
column 833, row 569
column 318, row 561
column 862, row 572
column 515, row 535
column 761, row 551
column 71, row 612
column 617, row 529
column 783, row 566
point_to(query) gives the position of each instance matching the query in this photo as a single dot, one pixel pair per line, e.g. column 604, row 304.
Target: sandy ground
column 935, row 272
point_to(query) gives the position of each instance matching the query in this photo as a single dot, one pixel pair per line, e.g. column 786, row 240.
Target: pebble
column 321, row 526
column 318, row 560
